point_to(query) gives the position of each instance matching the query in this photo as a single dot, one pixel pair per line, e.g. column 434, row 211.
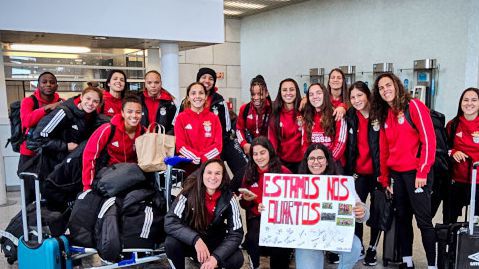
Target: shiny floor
column 7, row 212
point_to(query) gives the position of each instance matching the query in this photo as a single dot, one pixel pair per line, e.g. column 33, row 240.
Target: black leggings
column 408, row 202
column 279, row 257
column 234, row 156
column 460, row 197
column 365, row 185
column 177, row 251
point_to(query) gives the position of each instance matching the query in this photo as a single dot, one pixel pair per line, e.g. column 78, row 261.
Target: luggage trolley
column 172, row 177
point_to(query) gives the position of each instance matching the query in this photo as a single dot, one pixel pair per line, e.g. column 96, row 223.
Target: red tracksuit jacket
column 198, row 135
column 399, row 142
column 121, row 148
column 466, row 139
column 111, row 104
column 257, row 188
column 290, row 140
column 336, row 144
column 31, row 117
column 254, row 122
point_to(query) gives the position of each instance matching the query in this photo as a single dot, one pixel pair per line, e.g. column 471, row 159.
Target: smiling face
column 387, row 90
column 316, row 96
column 117, row 82
column 153, row 84
column 336, row 83
column 47, row 84
column 261, row 157
column 317, row 162
column 470, row 104
column 288, row 92
column 212, row 177
column 359, row 100
column 208, row 81
column 258, row 96
column 89, row 101
column 197, row 97
column 131, row 112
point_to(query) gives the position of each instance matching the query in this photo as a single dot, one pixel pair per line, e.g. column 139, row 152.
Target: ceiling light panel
column 245, row 5
column 229, row 12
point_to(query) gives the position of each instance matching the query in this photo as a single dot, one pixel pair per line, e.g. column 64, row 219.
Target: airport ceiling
column 235, row 9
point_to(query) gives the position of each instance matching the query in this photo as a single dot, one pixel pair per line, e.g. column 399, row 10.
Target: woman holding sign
column 204, row 221
column 318, row 160
column 263, row 159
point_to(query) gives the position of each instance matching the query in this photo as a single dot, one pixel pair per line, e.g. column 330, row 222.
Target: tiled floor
column 7, row 212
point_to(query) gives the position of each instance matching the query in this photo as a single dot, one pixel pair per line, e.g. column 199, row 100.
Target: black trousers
column 29, row 184
column 233, row 155
column 279, row 257
column 408, row 202
column 460, row 197
column 365, row 185
column 177, row 251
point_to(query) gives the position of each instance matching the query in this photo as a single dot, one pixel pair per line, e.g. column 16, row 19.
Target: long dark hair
column 327, row 120
column 331, row 166
column 362, row 87
column 278, row 106
column 274, row 166
column 195, row 190
column 344, row 87
column 379, row 107
column 459, row 109
column 108, row 79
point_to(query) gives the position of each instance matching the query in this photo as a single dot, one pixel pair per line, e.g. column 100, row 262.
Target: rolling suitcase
column 51, row 253
column 391, row 247
column 467, row 251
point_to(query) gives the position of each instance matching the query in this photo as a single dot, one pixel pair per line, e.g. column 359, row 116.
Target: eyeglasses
column 318, row 159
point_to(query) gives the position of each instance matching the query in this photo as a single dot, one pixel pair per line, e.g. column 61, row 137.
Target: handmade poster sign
column 308, row 211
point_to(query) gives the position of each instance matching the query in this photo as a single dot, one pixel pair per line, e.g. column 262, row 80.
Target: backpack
column 17, row 133
column 441, row 163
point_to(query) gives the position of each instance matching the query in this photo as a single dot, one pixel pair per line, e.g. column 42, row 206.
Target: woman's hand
column 211, row 263
column 247, row 197
column 202, row 252
column 420, row 182
column 359, row 211
column 459, row 156
column 246, row 148
column 303, row 102
column 339, row 113
column 261, row 207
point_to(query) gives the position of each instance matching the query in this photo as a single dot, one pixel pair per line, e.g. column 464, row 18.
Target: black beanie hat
column 206, row 70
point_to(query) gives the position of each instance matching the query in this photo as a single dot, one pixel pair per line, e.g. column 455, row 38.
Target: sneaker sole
column 370, row 263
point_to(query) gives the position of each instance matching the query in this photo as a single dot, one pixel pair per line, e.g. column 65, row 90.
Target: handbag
column 153, row 147
column 382, row 211
column 117, row 178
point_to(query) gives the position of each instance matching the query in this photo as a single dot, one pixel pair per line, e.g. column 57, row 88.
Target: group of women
column 369, row 139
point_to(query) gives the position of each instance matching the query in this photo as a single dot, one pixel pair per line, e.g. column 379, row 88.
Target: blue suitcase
column 51, row 253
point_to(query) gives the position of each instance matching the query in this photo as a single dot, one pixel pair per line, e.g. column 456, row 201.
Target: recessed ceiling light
column 99, row 37
column 49, row 48
column 235, row 4
column 229, row 12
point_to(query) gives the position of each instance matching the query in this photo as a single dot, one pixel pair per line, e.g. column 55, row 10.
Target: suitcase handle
column 37, row 206
column 472, row 205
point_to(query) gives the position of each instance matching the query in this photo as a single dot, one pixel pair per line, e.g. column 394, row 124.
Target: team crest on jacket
column 162, row 111
column 375, row 124
column 215, row 110
column 299, row 122
column 475, row 137
column 207, row 126
column 74, row 126
column 401, row 118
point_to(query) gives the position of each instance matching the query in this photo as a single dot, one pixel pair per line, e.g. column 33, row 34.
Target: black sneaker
column 333, row 258
column 404, row 266
column 363, row 253
column 370, row 259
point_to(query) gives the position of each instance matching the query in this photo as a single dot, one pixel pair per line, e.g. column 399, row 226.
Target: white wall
column 222, row 58
column 287, row 42
column 185, row 20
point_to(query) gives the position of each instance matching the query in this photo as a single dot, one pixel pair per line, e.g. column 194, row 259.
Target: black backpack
column 441, row 163
column 17, row 133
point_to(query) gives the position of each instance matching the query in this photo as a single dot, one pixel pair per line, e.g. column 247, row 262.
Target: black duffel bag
column 117, row 178
column 382, row 210
column 83, row 219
